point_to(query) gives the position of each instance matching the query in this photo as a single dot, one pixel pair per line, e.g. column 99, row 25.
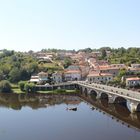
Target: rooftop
column 99, row 74
column 72, row 71
column 133, row 79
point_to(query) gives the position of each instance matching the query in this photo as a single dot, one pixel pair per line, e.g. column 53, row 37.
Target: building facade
column 99, row 77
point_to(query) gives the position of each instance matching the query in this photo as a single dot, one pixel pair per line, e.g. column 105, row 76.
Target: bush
column 22, row 85
column 5, row 86
column 29, row 88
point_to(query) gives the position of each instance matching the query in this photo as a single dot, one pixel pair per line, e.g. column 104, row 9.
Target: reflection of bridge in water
column 116, row 111
column 114, row 94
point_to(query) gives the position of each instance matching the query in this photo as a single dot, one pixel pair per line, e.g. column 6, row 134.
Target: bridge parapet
column 113, row 90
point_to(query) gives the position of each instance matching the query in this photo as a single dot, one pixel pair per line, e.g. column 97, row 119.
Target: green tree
column 30, row 88
column 67, row 62
column 1, row 75
column 5, row 86
column 22, row 85
column 24, row 75
column 103, row 53
column 122, row 72
column 15, row 75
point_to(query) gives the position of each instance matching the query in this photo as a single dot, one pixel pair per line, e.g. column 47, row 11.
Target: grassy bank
column 60, row 91
column 16, row 89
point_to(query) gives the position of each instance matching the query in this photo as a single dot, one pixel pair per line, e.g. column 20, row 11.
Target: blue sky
column 69, row 24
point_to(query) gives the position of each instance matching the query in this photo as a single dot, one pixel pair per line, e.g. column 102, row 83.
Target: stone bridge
column 114, row 95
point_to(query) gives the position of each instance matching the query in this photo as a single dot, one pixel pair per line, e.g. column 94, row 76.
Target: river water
column 49, row 118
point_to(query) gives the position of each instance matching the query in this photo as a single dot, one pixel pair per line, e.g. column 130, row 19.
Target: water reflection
column 115, row 111
column 17, row 101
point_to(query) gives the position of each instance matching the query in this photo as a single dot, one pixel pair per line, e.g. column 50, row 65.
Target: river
column 34, row 117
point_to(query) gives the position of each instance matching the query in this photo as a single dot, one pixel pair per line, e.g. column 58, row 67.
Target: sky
column 69, row 24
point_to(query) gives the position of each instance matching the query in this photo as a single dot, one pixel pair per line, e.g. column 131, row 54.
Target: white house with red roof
column 42, row 77
column 133, row 81
column 99, row 77
column 72, row 75
column 109, row 69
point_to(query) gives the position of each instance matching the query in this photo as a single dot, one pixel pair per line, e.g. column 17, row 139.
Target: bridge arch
column 93, row 92
column 93, row 95
column 104, row 95
column 121, row 101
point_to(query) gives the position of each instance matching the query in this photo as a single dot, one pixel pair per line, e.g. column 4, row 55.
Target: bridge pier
column 133, row 116
column 98, row 95
column 111, row 99
column 132, row 106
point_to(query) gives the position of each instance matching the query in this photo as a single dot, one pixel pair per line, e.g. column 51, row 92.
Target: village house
column 57, row 77
column 42, row 77
column 135, row 68
column 120, row 66
column 72, row 75
column 73, row 67
column 133, row 81
column 97, row 54
column 44, row 57
column 108, row 69
column 61, row 55
column 80, row 56
column 34, row 79
column 84, row 71
column 99, row 77
column 135, row 65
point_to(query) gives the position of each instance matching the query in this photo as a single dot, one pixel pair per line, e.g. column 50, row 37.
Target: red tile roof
column 72, row 71
column 99, row 74
column 133, row 79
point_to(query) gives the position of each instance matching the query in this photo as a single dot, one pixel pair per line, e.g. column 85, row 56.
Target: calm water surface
column 47, row 118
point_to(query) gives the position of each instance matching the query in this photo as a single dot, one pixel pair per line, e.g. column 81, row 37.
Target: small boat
column 72, row 108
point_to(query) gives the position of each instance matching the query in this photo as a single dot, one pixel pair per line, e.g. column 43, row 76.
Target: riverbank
column 16, row 90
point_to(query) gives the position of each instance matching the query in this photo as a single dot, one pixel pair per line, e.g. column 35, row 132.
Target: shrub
column 29, row 88
column 22, row 85
column 5, row 86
